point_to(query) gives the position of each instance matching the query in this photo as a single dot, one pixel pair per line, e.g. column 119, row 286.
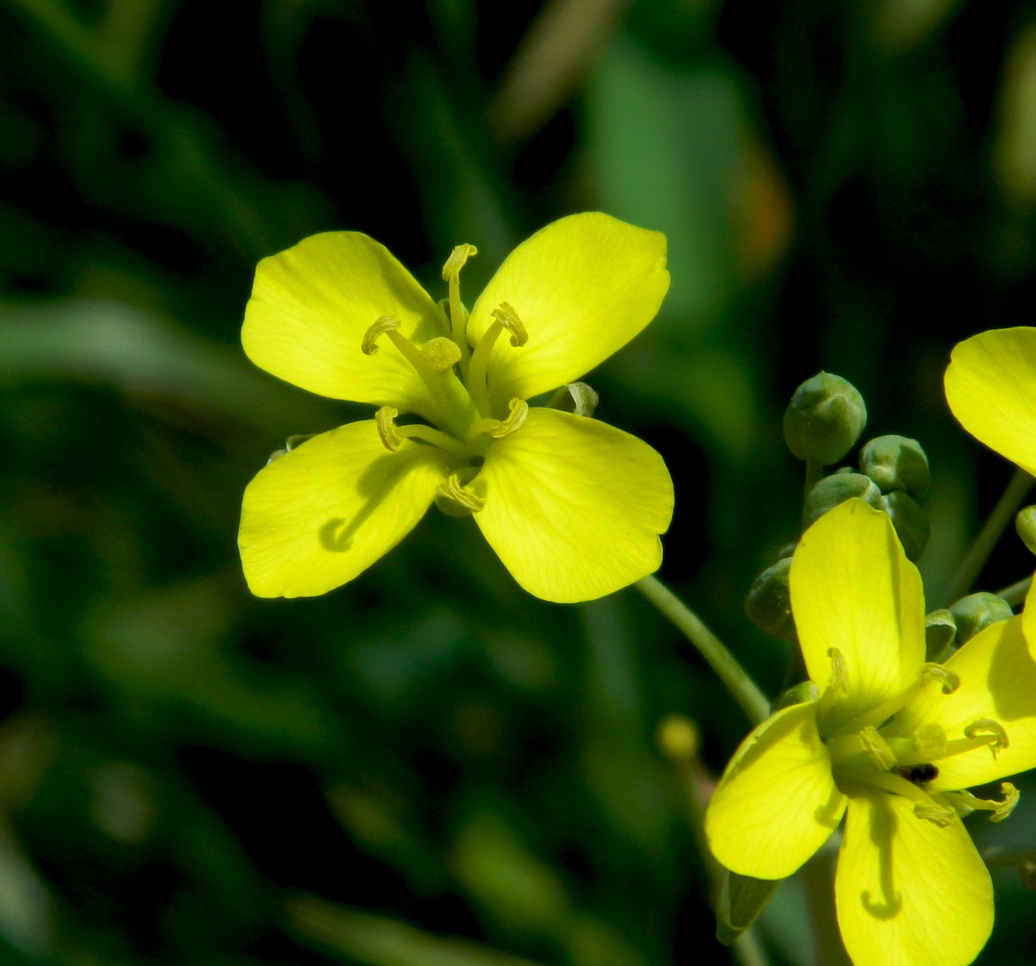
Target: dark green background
column 847, row 186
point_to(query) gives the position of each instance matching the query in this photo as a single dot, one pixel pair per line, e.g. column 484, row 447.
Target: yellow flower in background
column 991, row 389
column 889, row 743
column 572, row 506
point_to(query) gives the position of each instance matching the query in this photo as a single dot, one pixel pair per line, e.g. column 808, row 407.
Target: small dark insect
column 919, row 774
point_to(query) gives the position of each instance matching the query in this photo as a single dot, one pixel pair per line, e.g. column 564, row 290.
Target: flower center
column 868, row 751
column 456, row 378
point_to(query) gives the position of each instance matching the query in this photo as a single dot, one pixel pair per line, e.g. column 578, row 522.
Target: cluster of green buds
column 822, row 424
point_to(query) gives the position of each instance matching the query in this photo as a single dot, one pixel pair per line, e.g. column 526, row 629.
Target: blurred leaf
column 119, row 346
column 379, row 941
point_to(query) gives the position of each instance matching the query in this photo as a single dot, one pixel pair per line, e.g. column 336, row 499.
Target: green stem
column 1002, row 514
column 747, row 949
column 1015, row 593
column 753, row 702
column 814, row 474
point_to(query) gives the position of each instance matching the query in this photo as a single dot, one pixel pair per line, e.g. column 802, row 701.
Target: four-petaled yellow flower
column 890, row 742
column 572, row 506
column 991, row 388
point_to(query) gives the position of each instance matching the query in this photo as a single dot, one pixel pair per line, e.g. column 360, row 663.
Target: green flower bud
column 741, row 899
column 768, row 604
column 939, row 631
column 977, row 611
column 824, row 419
column 835, row 489
column 576, row 397
column 910, row 521
column 896, row 463
column 1025, row 524
column 797, row 694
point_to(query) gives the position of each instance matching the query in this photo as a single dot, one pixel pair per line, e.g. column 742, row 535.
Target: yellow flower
column 991, row 388
column 889, row 743
column 572, row 506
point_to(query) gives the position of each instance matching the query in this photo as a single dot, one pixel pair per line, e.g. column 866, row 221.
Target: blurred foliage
column 428, row 768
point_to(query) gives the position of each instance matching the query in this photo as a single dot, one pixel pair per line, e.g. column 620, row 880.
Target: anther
column 370, row 339
column 519, row 409
column 937, row 672
column 1011, row 796
column 383, row 419
column 454, row 490
column 508, row 318
column 837, row 685
column 459, row 255
column 988, row 728
column 441, row 353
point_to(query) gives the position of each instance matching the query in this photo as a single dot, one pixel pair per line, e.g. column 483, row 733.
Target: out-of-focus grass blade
column 380, row 941
column 114, row 344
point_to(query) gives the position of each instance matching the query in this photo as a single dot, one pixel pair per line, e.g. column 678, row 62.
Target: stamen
column 505, row 318
column 441, row 353
column 988, row 728
column 837, row 686
column 1011, row 797
column 451, row 274
column 499, row 428
column 456, row 261
column 941, row 815
column 877, row 747
column 508, row 318
column 370, row 339
column 925, row 806
column 517, row 411
column 938, row 672
column 392, row 435
column 454, row 490
column 929, row 673
column 453, row 404
column 843, row 749
column 965, row 802
column 383, row 418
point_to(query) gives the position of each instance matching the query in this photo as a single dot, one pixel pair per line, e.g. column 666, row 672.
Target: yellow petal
column 311, row 306
column 991, row 388
column 573, row 506
column 998, row 681
column 852, row 588
column 583, row 287
column 323, row 513
column 777, row 802
column 1029, row 619
column 908, row 892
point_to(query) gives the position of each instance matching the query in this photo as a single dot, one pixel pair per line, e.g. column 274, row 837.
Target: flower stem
column 1015, row 593
column 753, row 702
column 814, row 474
column 1001, row 516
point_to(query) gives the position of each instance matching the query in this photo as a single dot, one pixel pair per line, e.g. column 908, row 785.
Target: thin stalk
column 753, row 702
column 1015, row 593
column 1003, row 513
column 814, row 474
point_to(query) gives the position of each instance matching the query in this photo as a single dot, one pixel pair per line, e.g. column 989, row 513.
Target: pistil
column 453, row 404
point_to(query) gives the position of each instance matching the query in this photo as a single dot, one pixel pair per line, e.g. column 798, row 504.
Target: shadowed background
column 429, row 767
